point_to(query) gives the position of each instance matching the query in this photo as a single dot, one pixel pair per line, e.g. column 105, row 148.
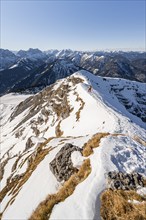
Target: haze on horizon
column 77, row 25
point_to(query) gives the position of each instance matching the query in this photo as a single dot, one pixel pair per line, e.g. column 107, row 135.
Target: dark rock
column 61, row 166
column 124, row 181
column 29, row 143
column 17, row 177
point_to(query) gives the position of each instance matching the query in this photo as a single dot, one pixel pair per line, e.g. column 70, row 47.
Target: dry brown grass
column 58, row 131
column 115, row 205
column 15, row 164
column 44, row 209
column 75, row 80
column 13, row 185
column 62, row 109
column 23, row 161
column 82, row 103
column 139, row 140
column 7, row 188
column 93, row 143
column 2, row 167
column 40, row 155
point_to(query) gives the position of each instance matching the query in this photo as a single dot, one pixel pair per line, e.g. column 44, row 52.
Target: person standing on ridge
column 90, row 88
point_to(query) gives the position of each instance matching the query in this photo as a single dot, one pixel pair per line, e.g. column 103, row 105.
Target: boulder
column 62, row 166
column 124, row 181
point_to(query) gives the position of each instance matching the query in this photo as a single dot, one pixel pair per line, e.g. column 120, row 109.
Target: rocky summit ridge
column 59, row 145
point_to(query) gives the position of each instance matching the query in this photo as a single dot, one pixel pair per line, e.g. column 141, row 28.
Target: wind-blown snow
column 115, row 153
column 101, row 112
column 77, row 159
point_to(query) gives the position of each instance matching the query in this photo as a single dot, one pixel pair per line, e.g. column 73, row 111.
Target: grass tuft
column 14, row 185
column 82, row 103
column 115, row 205
column 44, row 209
column 58, row 131
column 93, row 143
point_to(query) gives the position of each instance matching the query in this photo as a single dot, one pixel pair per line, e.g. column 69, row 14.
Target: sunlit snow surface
column 102, row 112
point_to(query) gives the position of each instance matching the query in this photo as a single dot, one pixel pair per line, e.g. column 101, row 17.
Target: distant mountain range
column 71, row 122
column 32, row 70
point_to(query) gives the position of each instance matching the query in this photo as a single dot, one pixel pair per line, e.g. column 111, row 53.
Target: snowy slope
column 35, row 128
column 7, row 58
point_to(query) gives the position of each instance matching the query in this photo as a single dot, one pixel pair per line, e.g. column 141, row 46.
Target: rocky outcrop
column 29, row 143
column 46, row 103
column 137, row 107
column 62, row 166
column 124, row 181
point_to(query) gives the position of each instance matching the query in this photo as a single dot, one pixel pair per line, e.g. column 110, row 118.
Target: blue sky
column 78, row 25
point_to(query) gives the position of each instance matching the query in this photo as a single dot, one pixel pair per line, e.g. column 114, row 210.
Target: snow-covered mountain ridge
column 24, row 67
column 36, row 129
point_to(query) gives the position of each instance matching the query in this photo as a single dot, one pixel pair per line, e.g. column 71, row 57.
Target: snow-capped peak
column 88, row 116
